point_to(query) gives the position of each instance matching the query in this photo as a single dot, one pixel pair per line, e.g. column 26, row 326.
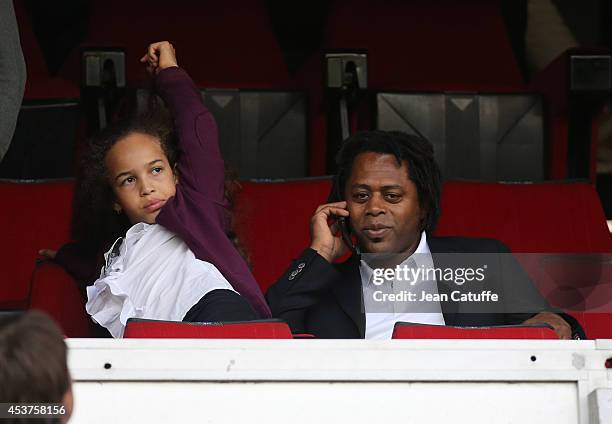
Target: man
column 391, row 186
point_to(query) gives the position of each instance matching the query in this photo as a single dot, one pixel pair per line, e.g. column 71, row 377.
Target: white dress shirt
column 381, row 316
column 150, row 274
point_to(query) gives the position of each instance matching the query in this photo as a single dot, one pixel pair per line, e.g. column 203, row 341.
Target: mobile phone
column 343, row 222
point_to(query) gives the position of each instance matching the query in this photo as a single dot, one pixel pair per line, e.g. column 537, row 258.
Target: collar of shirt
column 381, row 316
column 421, row 258
column 124, row 245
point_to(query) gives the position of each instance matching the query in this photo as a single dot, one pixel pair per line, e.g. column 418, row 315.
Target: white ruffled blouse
column 149, row 273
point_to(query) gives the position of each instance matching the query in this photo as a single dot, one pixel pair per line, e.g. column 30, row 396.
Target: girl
column 176, row 261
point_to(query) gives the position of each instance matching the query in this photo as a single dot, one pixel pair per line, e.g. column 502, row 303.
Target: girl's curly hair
column 95, row 223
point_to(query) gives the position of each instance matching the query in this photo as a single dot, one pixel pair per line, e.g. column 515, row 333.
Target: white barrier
column 352, row 381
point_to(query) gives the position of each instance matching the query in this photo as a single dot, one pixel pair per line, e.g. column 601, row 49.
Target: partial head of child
column 126, row 176
column 33, row 363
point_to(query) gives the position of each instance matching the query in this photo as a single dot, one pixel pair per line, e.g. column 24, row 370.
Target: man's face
column 383, row 203
column 140, row 176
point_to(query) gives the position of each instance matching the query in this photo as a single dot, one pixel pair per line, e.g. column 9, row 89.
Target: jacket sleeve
column 200, row 164
column 198, row 212
column 301, row 287
column 80, row 261
column 522, row 299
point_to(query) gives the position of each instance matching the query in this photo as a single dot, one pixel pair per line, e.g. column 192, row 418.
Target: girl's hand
column 160, row 55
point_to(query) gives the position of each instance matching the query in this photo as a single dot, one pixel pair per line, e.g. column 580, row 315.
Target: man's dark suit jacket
column 326, row 300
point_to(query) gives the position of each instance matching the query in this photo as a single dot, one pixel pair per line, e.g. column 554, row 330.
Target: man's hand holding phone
column 326, row 238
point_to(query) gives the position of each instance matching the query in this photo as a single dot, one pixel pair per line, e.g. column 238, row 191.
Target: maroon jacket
column 197, row 213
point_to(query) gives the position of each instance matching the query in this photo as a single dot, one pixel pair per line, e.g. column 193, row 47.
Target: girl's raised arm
column 200, row 165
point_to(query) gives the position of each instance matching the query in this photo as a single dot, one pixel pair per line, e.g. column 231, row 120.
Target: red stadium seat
column 36, row 216
column 56, row 293
column 153, row 329
column 557, row 231
column 272, row 218
column 405, row 330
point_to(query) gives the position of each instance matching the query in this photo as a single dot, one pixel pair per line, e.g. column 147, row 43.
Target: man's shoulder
column 456, row 244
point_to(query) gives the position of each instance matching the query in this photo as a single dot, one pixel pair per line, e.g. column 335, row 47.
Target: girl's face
column 140, row 176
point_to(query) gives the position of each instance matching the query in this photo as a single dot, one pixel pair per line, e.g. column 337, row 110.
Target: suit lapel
column 439, row 251
column 349, row 293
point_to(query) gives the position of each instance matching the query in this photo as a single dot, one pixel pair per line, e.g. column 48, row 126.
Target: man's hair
column 416, row 151
column 33, row 366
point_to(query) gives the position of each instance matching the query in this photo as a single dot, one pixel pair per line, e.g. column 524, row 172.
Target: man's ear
column 176, row 174
column 117, row 207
